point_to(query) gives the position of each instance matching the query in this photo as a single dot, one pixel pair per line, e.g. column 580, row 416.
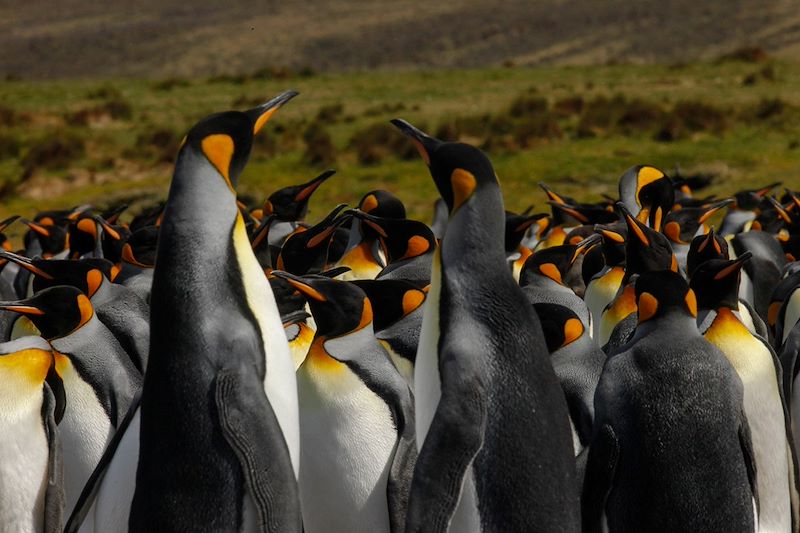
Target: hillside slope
column 165, row 38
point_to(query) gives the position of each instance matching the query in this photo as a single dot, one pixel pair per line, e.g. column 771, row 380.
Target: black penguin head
column 556, row 261
column 338, row 307
column 660, row 292
column 644, row 189
column 716, row 282
column 401, row 238
column 383, row 204
column 306, row 249
column 681, row 226
column 645, row 249
column 560, row 324
column 751, row 199
column 225, row 139
column 86, row 275
column 704, row 248
column 391, row 299
column 517, row 226
column 291, row 203
column 52, row 238
column 140, row 249
column 458, row 170
column 56, row 311
column 614, row 238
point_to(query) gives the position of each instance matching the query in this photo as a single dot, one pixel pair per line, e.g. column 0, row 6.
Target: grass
column 121, row 134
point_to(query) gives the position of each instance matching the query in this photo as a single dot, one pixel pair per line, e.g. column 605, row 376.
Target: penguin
column 305, row 251
column 397, row 307
column 643, row 189
column 645, row 250
column 716, row 285
column 763, row 272
column 577, row 362
column 99, row 379
column 742, row 211
column 138, row 260
column 669, row 420
column 356, row 418
column 683, row 225
column 705, row 247
column 516, row 228
column 219, row 435
column 32, row 399
column 407, row 245
column 289, row 205
column 483, row 382
column 542, row 277
column 440, row 216
column 603, row 287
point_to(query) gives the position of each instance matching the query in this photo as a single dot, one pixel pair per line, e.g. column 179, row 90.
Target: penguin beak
column 38, row 228
column 7, row 222
column 580, row 217
column 333, row 272
column 424, row 143
column 609, row 234
column 713, row 208
column 633, row 224
column 313, row 185
column 113, row 216
column 585, row 245
column 368, row 219
column 22, row 309
column 78, row 211
column 529, row 221
column 782, row 213
column 261, row 114
column 330, row 223
column 734, row 266
column 301, row 285
column 262, row 231
column 763, row 191
column 554, row 198
column 25, row 263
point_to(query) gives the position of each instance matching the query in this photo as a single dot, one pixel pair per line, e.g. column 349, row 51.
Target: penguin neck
column 671, row 320
column 474, row 243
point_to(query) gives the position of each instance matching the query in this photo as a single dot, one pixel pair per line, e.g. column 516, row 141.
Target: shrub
column 55, row 150
column 319, row 146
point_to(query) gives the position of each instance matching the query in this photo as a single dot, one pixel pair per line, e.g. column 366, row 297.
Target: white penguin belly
column 84, row 431
column 347, row 445
column 279, row 383
column 427, row 382
column 112, row 507
column 24, row 456
column 762, row 405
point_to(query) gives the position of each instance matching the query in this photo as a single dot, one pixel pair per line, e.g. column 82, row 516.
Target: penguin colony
column 212, row 366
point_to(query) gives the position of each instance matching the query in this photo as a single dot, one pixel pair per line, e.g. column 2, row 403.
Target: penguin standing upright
column 32, row 399
column 216, row 452
column 671, row 449
column 716, row 284
column 356, row 418
column 483, row 381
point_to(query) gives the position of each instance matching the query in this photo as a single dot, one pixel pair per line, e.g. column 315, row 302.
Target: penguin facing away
column 216, row 345
column 669, row 420
column 483, row 381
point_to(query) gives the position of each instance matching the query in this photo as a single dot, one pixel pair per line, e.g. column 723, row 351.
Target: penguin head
column 401, row 238
column 391, row 299
column 751, row 199
column 51, row 238
column 645, row 191
column 458, row 170
column 645, row 248
column 306, row 249
column 56, row 312
column 556, row 261
column 5, row 244
column 383, row 204
column 560, row 324
column 26, row 364
column 225, row 139
column 661, row 292
column 140, row 249
column 85, row 275
column 704, row 248
column 716, row 282
column 338, row 307
column 681, row 226
column 613, row 246
column 517, row 226
column 291, row 203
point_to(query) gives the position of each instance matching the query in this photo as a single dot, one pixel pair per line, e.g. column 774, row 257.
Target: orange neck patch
column 218, row 149
column 463, row 184
column 648, row 305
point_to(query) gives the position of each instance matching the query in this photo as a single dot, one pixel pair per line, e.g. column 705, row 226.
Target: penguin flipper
column 598, row 478
column 401, row 473
column 453, row 440
column 54, row 500
column 749, row 458
column 261, row 449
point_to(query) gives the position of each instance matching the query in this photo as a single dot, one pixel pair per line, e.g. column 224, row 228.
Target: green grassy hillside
column 577, row 128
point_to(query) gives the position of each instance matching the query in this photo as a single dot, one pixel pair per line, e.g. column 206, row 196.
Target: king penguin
column 483, row 380
column 716, row 284
column 215, row 451
column 671, row 448
column 32, row 400
column 356, row 418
